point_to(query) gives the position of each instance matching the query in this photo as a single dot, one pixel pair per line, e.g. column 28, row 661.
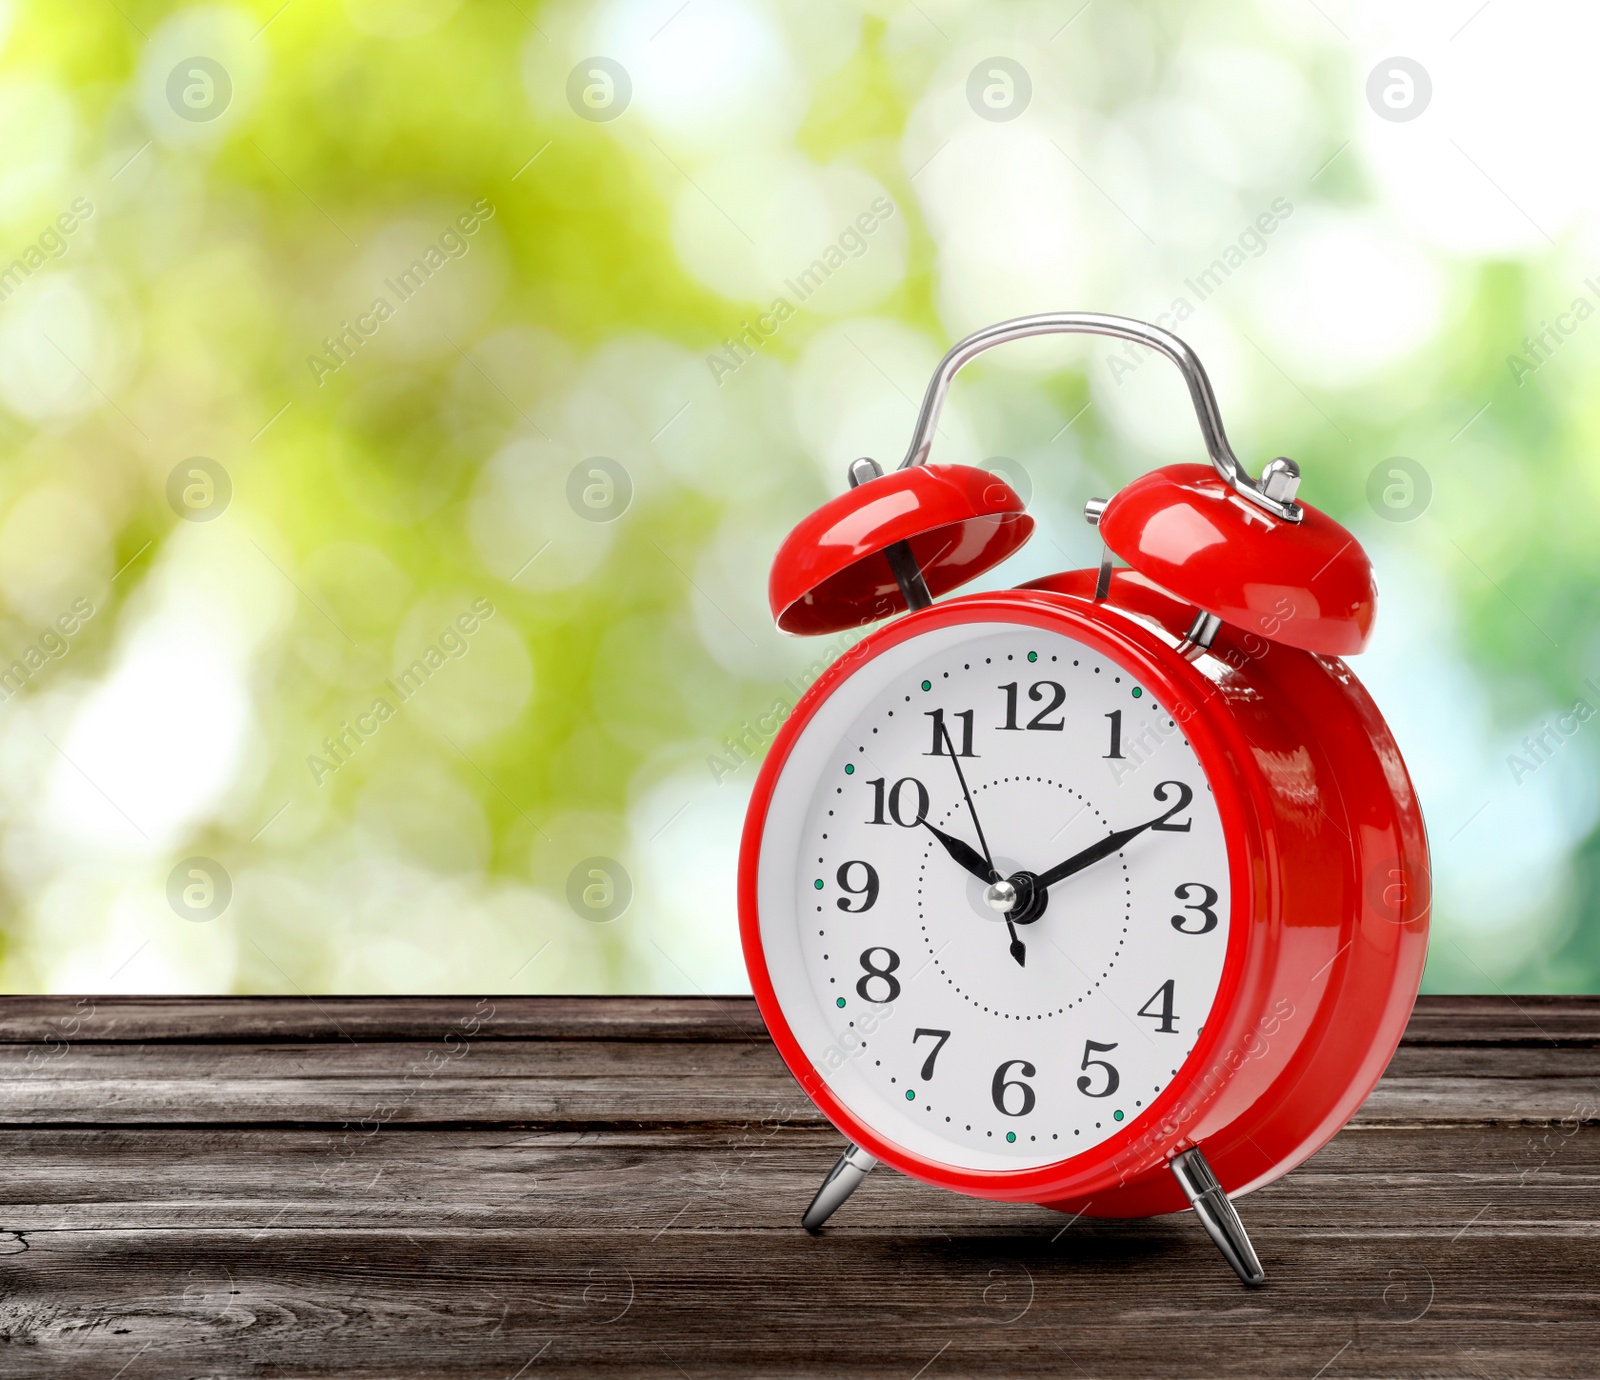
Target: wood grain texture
column 566, row 1186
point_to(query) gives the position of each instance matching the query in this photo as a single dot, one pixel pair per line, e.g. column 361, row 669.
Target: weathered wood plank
column 498, row 1081
column 1452, row 1021
column 582, row 1187
column 1514, row 1020
column 232, row 1020
column 756, row 1178
column 1124, row 1300
column 459, row 1079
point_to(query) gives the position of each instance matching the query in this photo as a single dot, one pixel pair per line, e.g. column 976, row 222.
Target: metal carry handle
column 1274, row 494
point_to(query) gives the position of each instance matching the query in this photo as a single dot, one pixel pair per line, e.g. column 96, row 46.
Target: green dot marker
column 1011, row 1136
column 911, row 1095
column 1116, row 1116
column 1033, row 656
column 927, row 685
column 839, row 1002
column 1137, row 692
column 818, row 883
column 849, row 768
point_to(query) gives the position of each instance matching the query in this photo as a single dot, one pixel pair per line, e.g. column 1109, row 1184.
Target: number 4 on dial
column 1163, row 1016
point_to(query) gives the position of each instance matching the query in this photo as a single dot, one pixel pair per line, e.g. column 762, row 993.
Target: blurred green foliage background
column 342, row 335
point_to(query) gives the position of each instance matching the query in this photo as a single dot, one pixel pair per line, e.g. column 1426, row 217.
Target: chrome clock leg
column 1222, row 1223
column 843, row 1180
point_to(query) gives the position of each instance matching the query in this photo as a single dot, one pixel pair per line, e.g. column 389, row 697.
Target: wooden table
column 525, row 1187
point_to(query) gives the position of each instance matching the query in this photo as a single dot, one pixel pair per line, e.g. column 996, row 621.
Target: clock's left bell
column 891, row 542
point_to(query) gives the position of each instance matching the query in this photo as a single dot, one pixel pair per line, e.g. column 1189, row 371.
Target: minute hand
column 1111, row 843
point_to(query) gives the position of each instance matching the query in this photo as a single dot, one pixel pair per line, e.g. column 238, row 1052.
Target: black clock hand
column 1019, row 950
column 1111, row 843
column 964, row 853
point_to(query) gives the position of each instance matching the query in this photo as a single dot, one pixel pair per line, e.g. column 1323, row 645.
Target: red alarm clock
column 1109, row 892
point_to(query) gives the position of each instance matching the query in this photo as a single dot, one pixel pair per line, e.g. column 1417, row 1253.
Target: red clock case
column 1329, row 878
column 1238, row 606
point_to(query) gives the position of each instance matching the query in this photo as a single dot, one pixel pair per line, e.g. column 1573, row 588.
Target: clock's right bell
column 1307, row 584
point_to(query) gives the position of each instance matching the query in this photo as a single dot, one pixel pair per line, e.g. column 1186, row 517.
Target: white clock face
column 975, row 1037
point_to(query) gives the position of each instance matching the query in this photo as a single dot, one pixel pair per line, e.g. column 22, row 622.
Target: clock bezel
column 1242, row 803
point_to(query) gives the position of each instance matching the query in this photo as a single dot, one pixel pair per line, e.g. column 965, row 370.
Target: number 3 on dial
column 1208, row 917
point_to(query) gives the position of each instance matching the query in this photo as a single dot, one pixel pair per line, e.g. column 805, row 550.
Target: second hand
column 1019, row 950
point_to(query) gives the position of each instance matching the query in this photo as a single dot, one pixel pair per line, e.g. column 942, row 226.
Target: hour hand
column 964, row 853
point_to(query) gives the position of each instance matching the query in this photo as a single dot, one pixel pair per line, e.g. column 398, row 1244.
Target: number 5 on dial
column 1113, row 1078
